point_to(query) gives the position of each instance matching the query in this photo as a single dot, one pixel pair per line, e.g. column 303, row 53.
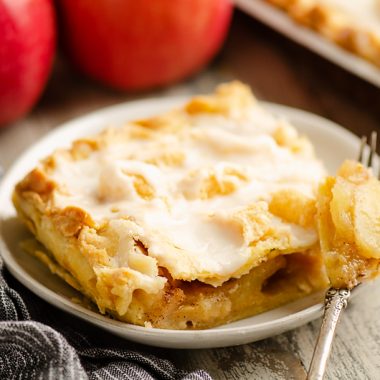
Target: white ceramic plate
column 280, row 21
column 333, row 144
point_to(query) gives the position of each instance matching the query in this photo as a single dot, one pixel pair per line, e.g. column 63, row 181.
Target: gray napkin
column 37, row 341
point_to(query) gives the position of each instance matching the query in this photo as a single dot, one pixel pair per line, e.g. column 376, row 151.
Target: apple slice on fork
column 349, row 232
column 349, row 225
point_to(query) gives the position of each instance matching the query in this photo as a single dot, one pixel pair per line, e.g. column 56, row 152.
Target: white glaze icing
column 194, row 237
column 363, row 11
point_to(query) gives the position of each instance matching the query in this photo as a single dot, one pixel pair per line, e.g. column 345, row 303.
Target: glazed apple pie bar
column 197, row 217
column 351, row 24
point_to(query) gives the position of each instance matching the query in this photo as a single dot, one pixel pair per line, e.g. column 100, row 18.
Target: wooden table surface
column 278, row 71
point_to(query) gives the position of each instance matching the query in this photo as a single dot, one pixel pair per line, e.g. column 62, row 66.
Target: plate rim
column 128, row 330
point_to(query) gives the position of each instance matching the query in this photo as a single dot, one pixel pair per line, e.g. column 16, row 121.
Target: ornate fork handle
column 335, row 301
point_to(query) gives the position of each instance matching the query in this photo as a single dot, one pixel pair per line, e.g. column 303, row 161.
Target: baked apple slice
column 349, row 225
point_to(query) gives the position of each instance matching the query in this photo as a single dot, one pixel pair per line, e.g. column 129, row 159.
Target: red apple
column 27, row 45
column 138, row 44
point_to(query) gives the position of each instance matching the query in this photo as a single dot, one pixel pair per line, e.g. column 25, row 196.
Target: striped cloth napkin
column 38, row 341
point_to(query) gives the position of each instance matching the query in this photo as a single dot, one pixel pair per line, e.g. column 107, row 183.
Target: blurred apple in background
column 27, row 45
column 139, row 44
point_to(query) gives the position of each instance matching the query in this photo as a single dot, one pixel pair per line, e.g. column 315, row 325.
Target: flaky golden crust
column 335, row 25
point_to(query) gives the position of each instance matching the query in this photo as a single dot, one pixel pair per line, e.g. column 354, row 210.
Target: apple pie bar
column 197, row 217
column 351, row 24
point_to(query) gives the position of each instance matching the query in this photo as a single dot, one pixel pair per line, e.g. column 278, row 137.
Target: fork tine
column 362, row 147
column 372, row 152
column 372, row 156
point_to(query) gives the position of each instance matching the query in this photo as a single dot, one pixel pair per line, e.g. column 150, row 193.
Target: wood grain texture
column 279, row 71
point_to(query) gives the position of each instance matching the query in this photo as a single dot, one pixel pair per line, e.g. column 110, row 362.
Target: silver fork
column 336, row 299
